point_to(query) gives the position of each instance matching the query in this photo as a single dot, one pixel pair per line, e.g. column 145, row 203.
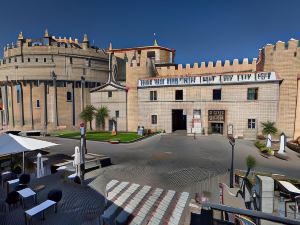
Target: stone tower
column 140, row 63
column 284, row 59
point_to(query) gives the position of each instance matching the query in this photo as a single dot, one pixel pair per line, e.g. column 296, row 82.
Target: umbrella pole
column 23, row 162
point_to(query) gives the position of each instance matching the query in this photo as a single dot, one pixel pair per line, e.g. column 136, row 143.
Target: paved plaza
column 176, row 160
column 168, row 161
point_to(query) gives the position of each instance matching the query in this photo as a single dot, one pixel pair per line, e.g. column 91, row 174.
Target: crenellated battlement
column 292, row 45
column 210, row 67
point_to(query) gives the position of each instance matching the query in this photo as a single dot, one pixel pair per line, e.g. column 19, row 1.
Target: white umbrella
column 11, row 144
column 76, row 162
column 269, row 141
column 282, row 144
column 39, row 166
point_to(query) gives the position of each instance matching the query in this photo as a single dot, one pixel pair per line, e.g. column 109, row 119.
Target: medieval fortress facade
column 46, row 82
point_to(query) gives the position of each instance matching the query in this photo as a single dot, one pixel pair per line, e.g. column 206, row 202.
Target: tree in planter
column 87, row 115
column 101, row 114
column 251, row 163
column 269, row 128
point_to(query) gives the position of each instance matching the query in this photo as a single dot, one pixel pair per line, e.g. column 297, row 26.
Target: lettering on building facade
column 216, row 115
column 208, row 80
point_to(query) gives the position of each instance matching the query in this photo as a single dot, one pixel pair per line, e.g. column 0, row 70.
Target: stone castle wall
column 217, row 67
column 234, row 101
column 284, row 59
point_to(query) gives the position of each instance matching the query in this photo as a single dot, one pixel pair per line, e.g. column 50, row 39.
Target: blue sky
column 203, row 30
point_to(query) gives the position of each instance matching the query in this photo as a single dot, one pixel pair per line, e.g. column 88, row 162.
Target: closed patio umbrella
column 269, row 141
column 76, row 162
column 12, row 144
column 39, row 166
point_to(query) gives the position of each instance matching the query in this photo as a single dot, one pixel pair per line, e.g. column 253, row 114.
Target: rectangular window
column 251, row 123
column 38, row 103
column 117, row 114
column 69, row 96
column 45, row 60
column 109, row 94
column 153, row 95
column 154, row 119
column 71, row 60
column 28, row 59
column 217, row 94
column 178, row 94
column 36, row 60
column 151, row 54
column 252, row 94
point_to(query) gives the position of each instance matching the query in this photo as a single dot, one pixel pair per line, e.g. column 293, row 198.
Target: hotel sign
column 208, row 79
column 216, row 115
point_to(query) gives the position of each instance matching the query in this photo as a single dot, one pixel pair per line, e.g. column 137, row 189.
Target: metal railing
column 256, row 215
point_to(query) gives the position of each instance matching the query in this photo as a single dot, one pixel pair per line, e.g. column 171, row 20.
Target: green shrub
column 259, row 145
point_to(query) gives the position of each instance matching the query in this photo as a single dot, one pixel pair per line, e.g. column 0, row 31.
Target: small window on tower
column 45, row 60
column 18, row 96
column 69, row 96
column 36, row 60
column 109, row 94
column 151, row 54
column 38, row 103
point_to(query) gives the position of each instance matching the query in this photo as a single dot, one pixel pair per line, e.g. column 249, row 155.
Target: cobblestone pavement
column 79, row 204
column 174, row 162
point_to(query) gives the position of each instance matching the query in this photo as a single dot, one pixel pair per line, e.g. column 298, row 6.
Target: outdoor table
column 26, row 193
column 37, row 209
column 12, row 183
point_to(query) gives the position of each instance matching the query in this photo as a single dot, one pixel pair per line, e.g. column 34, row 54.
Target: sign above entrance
column 208, row 80
column 216, row 115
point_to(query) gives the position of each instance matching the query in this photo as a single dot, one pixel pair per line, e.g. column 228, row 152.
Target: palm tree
column 269, row 128
column 87, row 114
column 101, row 114
column 251, row 163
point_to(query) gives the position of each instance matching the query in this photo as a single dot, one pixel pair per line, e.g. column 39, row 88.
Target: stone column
column 73, row 104
column 31, row 105
column 45, row 108
column 21, row 106
column 12, row 104
column 82, row 92
column 6, row 104
column 55, row 99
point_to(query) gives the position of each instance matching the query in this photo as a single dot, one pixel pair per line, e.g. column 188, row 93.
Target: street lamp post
column 82, row 151
column 232, row 143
